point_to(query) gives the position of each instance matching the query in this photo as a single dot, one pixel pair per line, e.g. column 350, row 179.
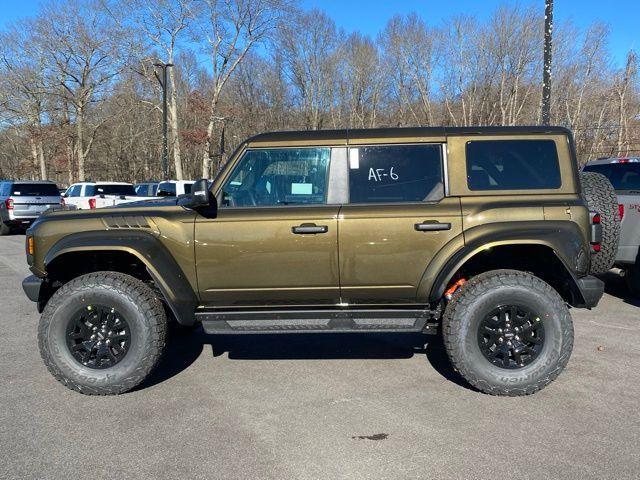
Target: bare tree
column 85, row 52
column 309, row 46
column 230, row 29
column 22, row 87
column 165, row 24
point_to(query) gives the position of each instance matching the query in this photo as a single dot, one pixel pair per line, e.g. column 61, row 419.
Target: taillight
column 596, row 219
column 92, row 203
column 8, row 203
column 621, row 211
column 596, row 247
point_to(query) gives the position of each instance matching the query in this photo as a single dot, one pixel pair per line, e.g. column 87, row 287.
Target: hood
column 154, row 202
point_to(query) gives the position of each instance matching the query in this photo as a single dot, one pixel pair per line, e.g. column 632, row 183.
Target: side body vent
column 132, row 221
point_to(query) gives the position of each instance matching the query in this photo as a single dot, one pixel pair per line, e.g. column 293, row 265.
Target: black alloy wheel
column 511, row 336
column 98, row 336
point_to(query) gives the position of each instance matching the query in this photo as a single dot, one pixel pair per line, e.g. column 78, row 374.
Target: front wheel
column 508, row 333
column 102, row 333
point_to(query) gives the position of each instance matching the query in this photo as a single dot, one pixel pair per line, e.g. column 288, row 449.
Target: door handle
column 309, row 229
column 432, row 226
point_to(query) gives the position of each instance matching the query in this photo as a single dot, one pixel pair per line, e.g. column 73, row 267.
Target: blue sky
column 370, row 16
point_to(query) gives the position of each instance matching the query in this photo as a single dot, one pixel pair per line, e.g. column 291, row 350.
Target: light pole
column 163, row 83
column 546, row 71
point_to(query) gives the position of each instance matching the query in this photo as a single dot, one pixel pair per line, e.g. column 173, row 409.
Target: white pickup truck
column 88, row 195
column 624, row 175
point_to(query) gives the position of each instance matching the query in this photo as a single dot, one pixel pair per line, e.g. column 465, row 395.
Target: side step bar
column 310, row 321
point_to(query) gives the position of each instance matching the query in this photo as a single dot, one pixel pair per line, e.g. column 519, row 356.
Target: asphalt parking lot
column 318, row 406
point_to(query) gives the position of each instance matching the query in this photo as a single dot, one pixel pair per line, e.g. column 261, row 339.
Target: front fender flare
column 162, row 267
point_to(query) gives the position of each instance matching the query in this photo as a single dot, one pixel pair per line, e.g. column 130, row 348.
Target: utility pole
column 546, row 72
column 163, row 83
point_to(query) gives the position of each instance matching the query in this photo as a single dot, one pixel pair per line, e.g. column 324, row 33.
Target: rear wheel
column 508, row 333
column 601, row 197
column 102, row 333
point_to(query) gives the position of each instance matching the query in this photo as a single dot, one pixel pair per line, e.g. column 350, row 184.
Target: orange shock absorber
column 453, row 288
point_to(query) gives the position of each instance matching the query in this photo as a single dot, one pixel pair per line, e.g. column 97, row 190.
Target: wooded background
column 78, row 98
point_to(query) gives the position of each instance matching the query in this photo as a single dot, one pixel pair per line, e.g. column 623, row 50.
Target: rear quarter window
column 512, row 165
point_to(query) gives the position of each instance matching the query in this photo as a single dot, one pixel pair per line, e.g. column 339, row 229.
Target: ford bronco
column 480, row 234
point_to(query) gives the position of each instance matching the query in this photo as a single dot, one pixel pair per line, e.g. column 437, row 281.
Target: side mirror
column 200, row 199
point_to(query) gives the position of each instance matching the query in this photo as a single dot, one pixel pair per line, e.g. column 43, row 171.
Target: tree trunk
column 206, row 158
column 80, row 143
column 43, row 165
column 173, row 125
column 34, row 153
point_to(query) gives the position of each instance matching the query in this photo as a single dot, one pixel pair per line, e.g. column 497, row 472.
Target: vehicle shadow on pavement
column 313, row 346
column 184, row 348
column 614, row 285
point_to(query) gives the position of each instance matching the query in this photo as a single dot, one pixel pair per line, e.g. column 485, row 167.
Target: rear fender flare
column 564, row 239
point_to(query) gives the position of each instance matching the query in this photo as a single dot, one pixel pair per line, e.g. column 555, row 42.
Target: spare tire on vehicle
column 601, row 198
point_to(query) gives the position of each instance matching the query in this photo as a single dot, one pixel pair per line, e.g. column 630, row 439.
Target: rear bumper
column 591, row 289
column 32, row 286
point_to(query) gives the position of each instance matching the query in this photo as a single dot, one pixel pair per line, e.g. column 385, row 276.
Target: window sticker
column 354, row 158
column 301, row 189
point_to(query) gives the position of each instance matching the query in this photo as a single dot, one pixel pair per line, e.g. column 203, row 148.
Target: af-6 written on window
column 396, row 173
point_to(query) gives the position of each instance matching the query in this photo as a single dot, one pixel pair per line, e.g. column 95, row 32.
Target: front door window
column 279, row 176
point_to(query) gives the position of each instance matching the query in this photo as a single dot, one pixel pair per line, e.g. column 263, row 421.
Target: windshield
column 623, row 176
column 35, row 190
column 127, row 190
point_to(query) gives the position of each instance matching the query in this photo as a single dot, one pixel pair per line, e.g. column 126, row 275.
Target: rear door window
column 396, row 173
column 512, row 165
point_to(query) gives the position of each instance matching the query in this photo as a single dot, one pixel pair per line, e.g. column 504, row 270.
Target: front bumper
column 591, row 289
column 32, row 286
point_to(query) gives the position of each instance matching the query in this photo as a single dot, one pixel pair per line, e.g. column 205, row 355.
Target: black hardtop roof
column 405, row 132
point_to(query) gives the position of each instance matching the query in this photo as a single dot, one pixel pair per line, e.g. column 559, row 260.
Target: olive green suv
column 481, row 234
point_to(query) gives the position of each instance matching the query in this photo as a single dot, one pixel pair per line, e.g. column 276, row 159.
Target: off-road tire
column 4, row 229
column 146, row 318
column 487, row 291
column 601, row 197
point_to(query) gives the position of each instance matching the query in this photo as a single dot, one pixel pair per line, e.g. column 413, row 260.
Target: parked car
column 90, row 195
column 174, row 188
column 21, row 202
column 148, row 189
column 624, row 174
column 481, row 234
